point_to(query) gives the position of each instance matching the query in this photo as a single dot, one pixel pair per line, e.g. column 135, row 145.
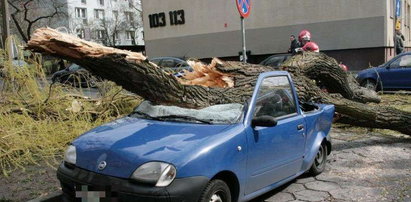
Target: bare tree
column 123, row 19
column 28, row 15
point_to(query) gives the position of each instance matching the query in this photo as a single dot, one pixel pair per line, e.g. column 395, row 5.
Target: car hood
column 127, row 143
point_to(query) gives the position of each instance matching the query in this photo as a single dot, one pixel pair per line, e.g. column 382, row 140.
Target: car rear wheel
column 319, row 161
column 369, row 84
column 216, row 191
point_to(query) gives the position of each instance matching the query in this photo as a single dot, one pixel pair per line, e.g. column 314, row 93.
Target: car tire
column 319, row 161
column 370, row 84
column 216, row 191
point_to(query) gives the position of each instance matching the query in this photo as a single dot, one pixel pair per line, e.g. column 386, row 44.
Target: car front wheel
column 319, row 161
column 370, row 84
column 216, row 191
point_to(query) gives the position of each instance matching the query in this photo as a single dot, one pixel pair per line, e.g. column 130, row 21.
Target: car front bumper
column 77, row 181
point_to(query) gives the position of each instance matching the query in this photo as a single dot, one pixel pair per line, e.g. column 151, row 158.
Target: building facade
column 110, row 22
column 358, row 33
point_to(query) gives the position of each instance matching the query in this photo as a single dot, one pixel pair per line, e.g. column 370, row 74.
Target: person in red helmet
column 311, row 47
column 304, row 37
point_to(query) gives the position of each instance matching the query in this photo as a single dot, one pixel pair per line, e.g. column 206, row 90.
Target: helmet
column 312, row 47
column 304, row 35
column 344, row 67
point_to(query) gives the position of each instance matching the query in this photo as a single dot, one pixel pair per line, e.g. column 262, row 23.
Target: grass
column 38, row 120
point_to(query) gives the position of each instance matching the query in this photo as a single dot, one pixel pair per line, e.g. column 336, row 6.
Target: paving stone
column 322, row 186
column 310, row 195
column 357, row 193
column 305, row 180
column 281, row 197
column 294, row 188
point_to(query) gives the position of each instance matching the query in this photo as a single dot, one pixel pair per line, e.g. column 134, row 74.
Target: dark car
column 172, row 65
column 393, row 75
column 275, row 60
column 76, row 76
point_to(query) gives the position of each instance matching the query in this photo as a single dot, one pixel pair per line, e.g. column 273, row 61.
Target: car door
column 398, row 74
column 275, row 153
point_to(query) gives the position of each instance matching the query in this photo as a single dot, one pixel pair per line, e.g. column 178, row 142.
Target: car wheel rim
column 369, row 85
column 216, row 197
column 319, row 159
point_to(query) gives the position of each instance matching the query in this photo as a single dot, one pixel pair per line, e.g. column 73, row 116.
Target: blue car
column 393, row 75
column 226, row 152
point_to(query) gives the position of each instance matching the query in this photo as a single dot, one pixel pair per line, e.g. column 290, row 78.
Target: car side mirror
column 265, row 121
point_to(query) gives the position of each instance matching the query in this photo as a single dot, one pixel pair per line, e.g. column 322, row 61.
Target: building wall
column 212, row 27
column 356, row 32
column 91, row 24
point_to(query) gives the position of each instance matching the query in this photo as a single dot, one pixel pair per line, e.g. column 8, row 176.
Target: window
column 130, row 35
column 129, row 16
column 101, row 34
column 99, row 14
column 101, row 2
column 404, row 61
column 83, row 1
column 115, row 15
column 80, row 33
column 168, row 62
column 81, row 13
column 275, row 98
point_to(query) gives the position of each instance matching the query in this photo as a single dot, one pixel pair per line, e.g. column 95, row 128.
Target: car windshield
column 216, row 114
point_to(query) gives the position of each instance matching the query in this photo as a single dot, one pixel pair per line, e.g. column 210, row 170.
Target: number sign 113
column 159, row 19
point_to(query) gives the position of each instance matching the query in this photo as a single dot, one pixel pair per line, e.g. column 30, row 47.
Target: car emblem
column 102, row 165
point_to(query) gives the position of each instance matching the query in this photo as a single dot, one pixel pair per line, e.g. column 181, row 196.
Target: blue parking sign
column 244, row 7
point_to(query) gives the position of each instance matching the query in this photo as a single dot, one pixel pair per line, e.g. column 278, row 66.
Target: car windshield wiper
column 184, row 117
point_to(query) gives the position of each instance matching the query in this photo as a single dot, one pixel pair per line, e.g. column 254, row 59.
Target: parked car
column 227, row 152
column 275, row 60
column 172, row 65
column 392, row 75
column 76, row 76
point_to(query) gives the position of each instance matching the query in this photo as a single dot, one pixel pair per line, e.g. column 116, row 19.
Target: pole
column 6, row 25
column 395, row 24
column 243, row 35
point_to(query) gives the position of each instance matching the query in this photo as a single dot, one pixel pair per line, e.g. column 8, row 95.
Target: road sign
column 244, row 7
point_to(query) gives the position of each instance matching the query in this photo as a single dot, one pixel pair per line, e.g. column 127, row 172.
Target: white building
column 110, row 22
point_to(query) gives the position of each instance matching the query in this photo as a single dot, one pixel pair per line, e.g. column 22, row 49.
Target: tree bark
column 223, row 82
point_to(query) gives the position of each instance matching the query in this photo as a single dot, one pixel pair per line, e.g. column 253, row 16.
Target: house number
column 159, row 19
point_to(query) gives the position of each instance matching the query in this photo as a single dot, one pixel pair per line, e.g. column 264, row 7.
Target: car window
column 168, row 63
column 404, row 61
column 274, row 61
column 275, row 98
column 156, row 61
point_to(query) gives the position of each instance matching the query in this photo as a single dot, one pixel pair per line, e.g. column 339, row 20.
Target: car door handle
column 300, row 127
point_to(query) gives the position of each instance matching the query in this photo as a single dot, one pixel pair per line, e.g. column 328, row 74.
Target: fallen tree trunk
column 222, row 82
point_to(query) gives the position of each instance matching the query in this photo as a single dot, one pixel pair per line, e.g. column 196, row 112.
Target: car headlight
column 70, row 155
column 159, row 174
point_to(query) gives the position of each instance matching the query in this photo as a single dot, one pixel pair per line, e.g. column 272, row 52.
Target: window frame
column 292, row 92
